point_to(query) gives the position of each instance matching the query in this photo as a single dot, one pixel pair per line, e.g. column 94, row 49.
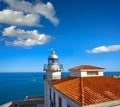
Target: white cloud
column 25, row 38
column 1, row 39
column 18, row 18
column 102, row 49
column 47, row 10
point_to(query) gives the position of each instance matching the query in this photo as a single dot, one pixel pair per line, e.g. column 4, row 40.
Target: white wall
column 53, row 75
column 56, row 75
column 84, row 73
column 101, row 73
column 46, row 94
column 65, row 99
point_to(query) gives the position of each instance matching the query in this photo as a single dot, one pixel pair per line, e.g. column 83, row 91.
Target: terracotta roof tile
column 85, row 67
column 89, row 90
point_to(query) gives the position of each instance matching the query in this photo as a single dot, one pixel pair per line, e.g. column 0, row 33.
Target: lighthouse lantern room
column 53, row 68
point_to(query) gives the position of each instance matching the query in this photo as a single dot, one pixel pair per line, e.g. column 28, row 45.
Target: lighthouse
column 53, row 72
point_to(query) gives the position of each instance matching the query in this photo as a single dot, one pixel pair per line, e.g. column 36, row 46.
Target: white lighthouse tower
column 53, row 72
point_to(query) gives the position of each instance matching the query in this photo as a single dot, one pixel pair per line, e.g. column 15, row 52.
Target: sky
column 80, row 32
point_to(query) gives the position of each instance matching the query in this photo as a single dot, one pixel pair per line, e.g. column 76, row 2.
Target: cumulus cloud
column 25, row 38
column 102, row 49
column 47, row 10
column 18, row 18
column 24, row 13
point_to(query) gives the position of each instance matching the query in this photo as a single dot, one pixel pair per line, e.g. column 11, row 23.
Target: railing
column 53, row 78
column 45, row 67
column 53, row 67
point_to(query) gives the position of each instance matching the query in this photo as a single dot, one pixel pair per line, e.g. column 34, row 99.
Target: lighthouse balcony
column 53, row 67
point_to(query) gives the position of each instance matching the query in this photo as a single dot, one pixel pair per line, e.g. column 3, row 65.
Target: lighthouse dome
column 53, row 56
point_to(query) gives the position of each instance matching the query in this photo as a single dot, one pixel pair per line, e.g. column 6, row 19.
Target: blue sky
column 80, row 31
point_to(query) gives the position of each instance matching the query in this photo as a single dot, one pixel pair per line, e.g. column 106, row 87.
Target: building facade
column 85, row 87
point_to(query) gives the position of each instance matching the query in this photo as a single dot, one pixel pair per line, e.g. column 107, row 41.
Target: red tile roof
column 89, row 90
column 85, row 67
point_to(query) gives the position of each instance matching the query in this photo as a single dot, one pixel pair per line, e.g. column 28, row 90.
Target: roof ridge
column 81, row 66
column 85, row 66
column 82, row 91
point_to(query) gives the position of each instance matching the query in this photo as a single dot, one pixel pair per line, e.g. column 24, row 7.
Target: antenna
column 52, row 49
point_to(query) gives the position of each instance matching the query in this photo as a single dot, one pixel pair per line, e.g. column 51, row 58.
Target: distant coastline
column 42, row 71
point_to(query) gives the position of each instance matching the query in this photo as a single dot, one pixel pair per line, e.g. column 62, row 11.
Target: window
column 68, row 105
column 54, row 98
column 60, row 102
column 92, row 73
column 50, row 94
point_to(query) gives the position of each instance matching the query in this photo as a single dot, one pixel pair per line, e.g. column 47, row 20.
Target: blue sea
column 16, row 86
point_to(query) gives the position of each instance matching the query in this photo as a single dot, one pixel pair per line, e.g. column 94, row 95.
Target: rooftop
column 30, row 101
column 81, row 67
column 89, row 90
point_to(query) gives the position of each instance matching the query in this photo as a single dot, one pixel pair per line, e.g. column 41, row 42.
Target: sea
column 16, row 86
